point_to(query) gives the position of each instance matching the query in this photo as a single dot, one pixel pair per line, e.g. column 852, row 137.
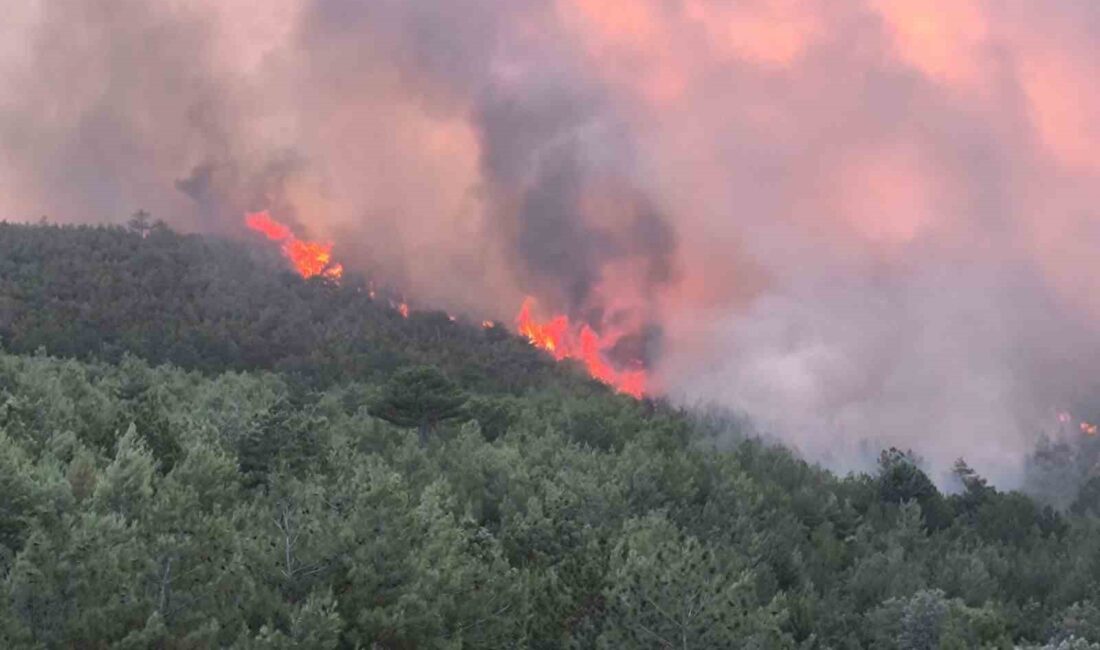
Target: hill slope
column 300, row 474
column 211, row 304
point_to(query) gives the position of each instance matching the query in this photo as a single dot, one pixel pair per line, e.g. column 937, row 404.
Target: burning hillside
column 864, row 221
column 578, row 341
column 309, row 258
column 557, row 336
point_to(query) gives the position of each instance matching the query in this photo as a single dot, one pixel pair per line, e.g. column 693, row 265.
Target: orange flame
column 549, row 336
column 564, row 341
column 309, row 258
column 557, row 336
column 1087, row 428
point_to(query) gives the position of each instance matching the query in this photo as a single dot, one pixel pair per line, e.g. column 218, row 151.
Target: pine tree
column 140, row 223
column 420, row 397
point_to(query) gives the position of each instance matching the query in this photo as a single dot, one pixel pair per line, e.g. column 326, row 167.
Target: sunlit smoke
column 863, row 223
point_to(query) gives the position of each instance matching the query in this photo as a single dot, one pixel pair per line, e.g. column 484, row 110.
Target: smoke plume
column 862, row 223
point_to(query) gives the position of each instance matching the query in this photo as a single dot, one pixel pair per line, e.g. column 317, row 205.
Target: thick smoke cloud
column 862, row 223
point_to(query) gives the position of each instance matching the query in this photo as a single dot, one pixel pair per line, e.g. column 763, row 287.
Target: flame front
column 559, row 337
column 309, row 258
column 549, row 336
column 565, row 341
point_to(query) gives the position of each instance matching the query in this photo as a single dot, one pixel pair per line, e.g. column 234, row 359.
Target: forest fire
column 559, row 337
column 309, row 258
column 566, row 341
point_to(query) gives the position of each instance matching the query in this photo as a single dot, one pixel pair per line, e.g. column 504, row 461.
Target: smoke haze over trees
column 198, row 449
column 860, row 222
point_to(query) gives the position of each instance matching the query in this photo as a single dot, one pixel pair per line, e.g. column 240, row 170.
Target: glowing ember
column 1087, row 428
column 564, row 341
column 487, row 324
column 308, row 258
column 403, row 309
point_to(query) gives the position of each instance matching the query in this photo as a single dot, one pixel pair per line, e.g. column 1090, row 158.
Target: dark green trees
column 1088, row 499
column 140, row 223
column 901, row 479
column 209, row 304
column 420, row 397
column 269, row 494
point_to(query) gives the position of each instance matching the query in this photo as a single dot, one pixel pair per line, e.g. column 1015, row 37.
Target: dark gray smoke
column 862, row 223
column 545, row 154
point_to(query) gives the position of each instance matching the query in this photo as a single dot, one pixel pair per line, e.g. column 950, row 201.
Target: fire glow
column 309, row 258
column 565, row 340
column 558, row 336
column 1086, row 428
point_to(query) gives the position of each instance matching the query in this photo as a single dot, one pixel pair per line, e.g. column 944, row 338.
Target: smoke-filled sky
column 862, row 223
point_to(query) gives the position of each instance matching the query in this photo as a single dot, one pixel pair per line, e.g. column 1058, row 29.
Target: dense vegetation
column 197, row 451
column 214, row 305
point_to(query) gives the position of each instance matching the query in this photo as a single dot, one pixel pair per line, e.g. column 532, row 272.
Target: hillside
column 212, row 305
column 199, row 449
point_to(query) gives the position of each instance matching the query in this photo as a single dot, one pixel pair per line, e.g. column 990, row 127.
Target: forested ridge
column 213, row 305
column 199, row 449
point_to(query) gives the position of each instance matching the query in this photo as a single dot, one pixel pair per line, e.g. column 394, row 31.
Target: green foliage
column 212, row 305
column 1088, row 499
column 1080, row 620
column 292, row 518
column 420, row 397
column 668, row 589
column 265, row 489
column 494, row 415
column 901, row 479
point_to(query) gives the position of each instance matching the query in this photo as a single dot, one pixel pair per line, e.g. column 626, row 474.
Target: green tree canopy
column 420, row 397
